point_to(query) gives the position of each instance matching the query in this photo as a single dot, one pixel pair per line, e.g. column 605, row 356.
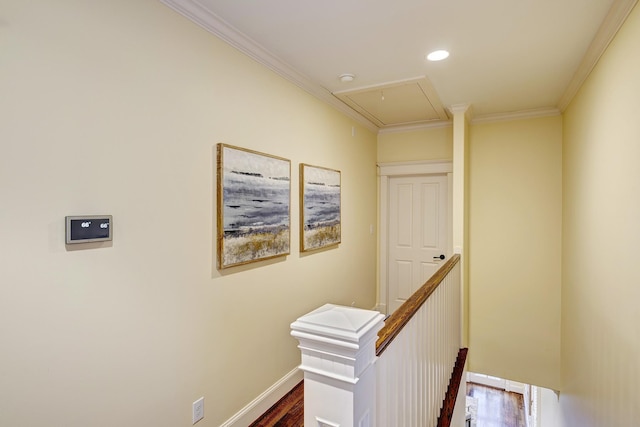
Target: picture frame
column 253, row 195
column 320, row 207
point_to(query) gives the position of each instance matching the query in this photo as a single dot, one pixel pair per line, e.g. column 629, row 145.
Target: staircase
column 418, row 366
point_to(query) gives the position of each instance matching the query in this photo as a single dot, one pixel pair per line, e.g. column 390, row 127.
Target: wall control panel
column 88, row 228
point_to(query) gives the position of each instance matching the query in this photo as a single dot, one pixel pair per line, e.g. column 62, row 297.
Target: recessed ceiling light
column 346, row 78
column 438, row 55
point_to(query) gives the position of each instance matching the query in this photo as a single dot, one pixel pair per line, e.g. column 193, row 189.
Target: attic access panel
column 400, row 103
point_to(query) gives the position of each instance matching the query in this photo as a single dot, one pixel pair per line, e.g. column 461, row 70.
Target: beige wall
column 601, row 233
column 115, row 108
column 515, row 249
column 425, row 144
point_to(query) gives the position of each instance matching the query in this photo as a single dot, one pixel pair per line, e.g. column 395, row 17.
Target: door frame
column 497, row 382
column 396, row 169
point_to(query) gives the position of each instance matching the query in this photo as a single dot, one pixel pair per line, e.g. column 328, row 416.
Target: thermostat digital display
column 89, row 228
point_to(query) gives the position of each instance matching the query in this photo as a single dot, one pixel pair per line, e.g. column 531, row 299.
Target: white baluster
column 346, row 386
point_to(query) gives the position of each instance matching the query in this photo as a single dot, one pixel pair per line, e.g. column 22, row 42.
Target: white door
column 417, row 242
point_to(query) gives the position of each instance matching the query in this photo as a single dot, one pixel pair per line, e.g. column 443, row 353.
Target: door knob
column 439, row 257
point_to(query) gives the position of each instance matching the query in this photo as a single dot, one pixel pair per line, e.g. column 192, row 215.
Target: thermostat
column 88, row 228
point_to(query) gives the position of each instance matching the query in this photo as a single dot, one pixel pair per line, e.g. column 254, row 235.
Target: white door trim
column 385, row 171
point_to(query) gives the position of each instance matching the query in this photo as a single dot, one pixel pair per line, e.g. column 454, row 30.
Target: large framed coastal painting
column 253, row 206
column 320, row 194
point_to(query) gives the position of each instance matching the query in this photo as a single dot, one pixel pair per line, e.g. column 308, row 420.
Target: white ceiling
column 508, row 57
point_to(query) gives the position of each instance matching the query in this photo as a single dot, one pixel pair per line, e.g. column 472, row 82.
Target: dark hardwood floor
column 497, row 408
column 287, row 412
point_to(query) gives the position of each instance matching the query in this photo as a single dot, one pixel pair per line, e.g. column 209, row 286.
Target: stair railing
column 363, row 371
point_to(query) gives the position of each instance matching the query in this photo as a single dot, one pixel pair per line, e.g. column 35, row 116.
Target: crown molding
column 616, row 17
column 197, row 13
column 516, row 115
column 486, row 118
column 460, row 108
column 465, row 109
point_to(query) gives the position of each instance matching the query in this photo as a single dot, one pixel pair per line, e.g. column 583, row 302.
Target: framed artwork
column 320, row 194
column 253, row 206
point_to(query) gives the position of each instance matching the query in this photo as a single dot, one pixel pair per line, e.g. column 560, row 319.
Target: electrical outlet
column 198, row 410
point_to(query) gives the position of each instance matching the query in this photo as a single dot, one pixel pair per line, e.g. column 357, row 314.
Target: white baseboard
column 266, row 400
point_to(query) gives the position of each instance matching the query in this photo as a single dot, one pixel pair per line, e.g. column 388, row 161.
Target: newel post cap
column 337, row 342
column 346, row 326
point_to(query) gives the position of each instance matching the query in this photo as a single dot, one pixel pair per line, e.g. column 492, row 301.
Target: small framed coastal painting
column 253, row 206
column 320, row 194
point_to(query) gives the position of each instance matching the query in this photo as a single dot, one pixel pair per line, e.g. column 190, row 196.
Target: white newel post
column 338, row 346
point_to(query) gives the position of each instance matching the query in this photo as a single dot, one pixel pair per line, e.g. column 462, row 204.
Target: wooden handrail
column 399, row 318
